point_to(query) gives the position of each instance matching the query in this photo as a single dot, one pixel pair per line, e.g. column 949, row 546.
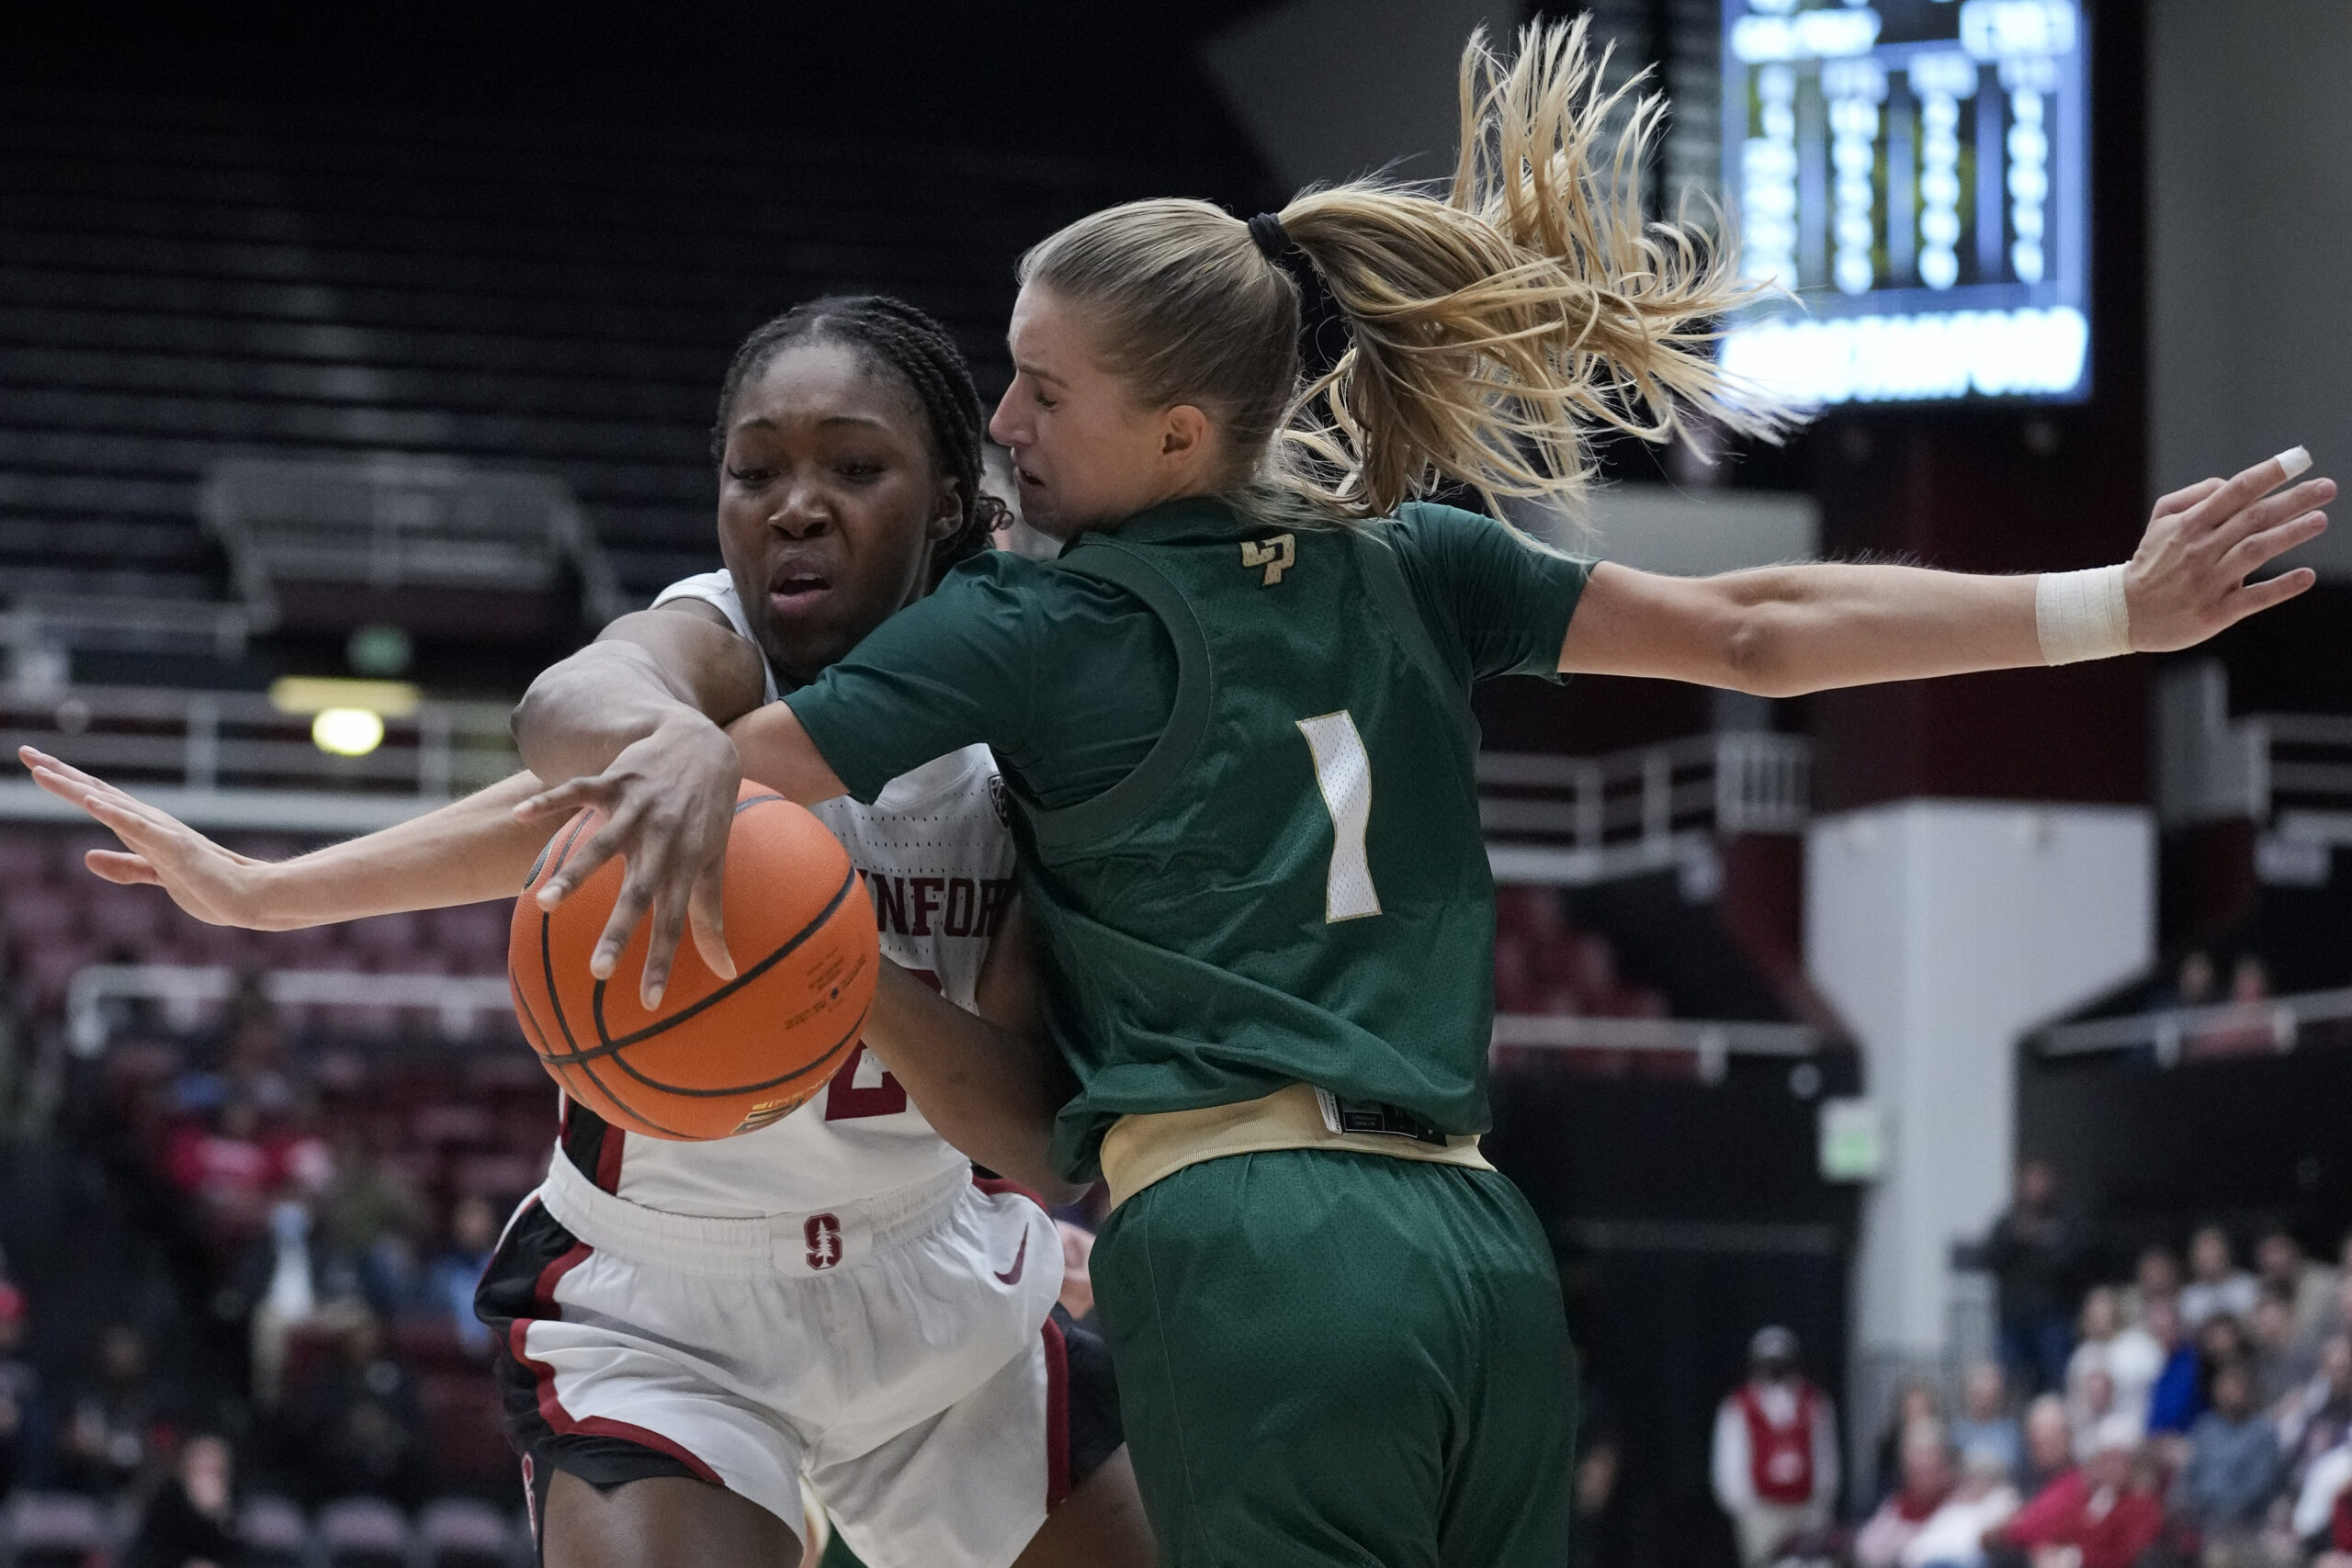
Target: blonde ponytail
column 1491, row 327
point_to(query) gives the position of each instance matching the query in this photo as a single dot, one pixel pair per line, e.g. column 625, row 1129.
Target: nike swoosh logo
column 1019, row 1261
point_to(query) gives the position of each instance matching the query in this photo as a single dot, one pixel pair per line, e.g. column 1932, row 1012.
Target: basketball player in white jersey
column 689, row 1329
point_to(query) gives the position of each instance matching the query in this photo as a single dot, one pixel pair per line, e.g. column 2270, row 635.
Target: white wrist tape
column 2081, row 614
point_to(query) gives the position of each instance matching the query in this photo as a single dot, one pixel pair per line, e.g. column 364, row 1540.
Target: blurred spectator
column 2103, row 1515
column 222, row 1167
column 1914, row 1404
column 2035, row 1253
column 1925, row 1483
column 120, row 1424
column 20, row 1410
column 1984, row 1427
column 191, row 1522
column 2127, row 1354
column 1078, row 1271
column 1775, row 1450
column 2317, row 1418
column 449, row 1282
column 2283, row 1360
column 1601, row 1524
column 2155, row 1277
column 2280, row 1266
column 1954, row 1535
column 2199, row 984
column 2322, row 1512
column 2222, row 1342
column 2177, row 1397
column 2049, row 1445
column 2094, row 1414
column 2233, row 1468
column 290, row 1285
column 360, row 1430
column 253, row 1059
column 369, row 1217
column 2216, row 1284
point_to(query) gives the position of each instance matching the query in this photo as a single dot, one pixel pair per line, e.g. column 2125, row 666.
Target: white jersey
column 937, row 858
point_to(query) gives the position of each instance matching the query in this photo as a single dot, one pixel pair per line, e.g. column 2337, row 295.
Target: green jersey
column 1289, row 883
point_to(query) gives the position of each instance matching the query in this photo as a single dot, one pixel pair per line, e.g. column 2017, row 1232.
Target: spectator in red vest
column 1776, row 1451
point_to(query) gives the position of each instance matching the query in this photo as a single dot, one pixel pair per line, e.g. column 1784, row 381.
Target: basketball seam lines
column 555, row 1001
column 607, row 1044
column 608, row 1047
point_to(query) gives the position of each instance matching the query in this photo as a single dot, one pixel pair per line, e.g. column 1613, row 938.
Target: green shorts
column 1329, row 1357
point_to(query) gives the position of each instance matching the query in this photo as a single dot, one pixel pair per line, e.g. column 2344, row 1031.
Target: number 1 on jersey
column 1344, row 772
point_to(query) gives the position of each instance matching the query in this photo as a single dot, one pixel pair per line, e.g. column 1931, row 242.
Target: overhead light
column 347, row 732
column 317, row 694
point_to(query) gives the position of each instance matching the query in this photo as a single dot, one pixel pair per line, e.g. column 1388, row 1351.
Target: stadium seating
column 180, row 285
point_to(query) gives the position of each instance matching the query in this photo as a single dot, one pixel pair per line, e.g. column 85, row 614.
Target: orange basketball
column 719, row 1057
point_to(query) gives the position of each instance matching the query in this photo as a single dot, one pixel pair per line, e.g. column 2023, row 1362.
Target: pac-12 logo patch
column 824, row 1234
column 1277, row 555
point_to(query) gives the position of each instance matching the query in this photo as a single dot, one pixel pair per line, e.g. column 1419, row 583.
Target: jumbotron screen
column 1916, row 172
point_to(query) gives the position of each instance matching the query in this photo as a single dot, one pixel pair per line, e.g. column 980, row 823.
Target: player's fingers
column 72, row 784
column 2247, row 485
column 627, row 909
column 2272, row 510
column 2252, row 551
column 148, row 837
column 669, row 923
column 2187, row 496
column 567, row 797
column 113, row 865
column 606, row 841
column 63, row 778
column 2256, row 597
column 706, row 919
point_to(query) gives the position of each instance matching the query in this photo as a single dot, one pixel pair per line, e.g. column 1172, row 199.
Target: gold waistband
column 1140, row 1149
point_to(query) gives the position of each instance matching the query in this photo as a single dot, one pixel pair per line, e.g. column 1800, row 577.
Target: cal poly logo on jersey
column 1276, row 555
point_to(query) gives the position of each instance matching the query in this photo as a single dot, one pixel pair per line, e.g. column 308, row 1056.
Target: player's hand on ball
column 217, row 886
column 669, row 802
column 2188, row 580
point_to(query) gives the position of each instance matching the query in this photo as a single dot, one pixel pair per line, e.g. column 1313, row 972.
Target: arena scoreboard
column 1916, row 173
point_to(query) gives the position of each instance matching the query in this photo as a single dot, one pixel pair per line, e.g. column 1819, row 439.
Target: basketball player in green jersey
column 1234, row 718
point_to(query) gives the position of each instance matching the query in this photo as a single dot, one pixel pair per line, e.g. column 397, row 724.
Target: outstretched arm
column 472, row 850
column 1783, row 631
column 989, row 1084
column 468, row 850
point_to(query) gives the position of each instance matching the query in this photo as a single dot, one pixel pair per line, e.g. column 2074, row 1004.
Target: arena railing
column 1713, row 1043
column 2218, row 1030
column 232, row 759
column 1572, row 820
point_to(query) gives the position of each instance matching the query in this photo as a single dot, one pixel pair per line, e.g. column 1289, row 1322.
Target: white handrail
column 2168, row 1029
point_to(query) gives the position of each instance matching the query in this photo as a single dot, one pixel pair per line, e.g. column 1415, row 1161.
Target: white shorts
column 902, row 1353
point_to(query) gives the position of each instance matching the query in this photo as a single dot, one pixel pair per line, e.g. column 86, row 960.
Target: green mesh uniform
column 1324, row 1358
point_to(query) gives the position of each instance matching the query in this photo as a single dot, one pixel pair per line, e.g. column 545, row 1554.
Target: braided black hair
column 916, row 346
